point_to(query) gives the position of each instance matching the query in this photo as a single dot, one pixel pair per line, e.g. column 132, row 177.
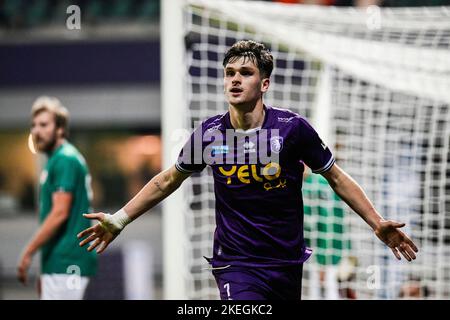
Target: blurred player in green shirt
column 65, row 194
column 325, row 232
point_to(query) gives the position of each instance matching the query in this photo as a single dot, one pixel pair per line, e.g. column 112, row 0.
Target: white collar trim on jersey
column 252, row 129
column 248, row 131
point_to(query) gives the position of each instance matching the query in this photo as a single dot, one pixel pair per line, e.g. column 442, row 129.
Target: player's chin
column 237, row 101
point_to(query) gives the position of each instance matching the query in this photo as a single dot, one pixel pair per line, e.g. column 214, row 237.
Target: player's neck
column 58, row 143
column 247, row 117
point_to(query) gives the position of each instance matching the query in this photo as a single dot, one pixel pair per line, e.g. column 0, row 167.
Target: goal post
column 173, row 105
column 375, row 83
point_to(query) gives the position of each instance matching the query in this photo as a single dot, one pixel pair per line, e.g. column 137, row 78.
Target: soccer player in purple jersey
column 259, row 248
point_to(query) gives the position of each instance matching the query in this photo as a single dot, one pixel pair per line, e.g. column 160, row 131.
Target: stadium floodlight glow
column 31, row 144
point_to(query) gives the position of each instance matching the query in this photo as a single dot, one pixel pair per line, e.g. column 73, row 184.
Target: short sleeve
column 190, row 158
column 65, row 173
column 313, row 151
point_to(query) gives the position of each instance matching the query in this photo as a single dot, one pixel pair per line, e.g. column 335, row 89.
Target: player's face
column 44, row 131
column 243, row 84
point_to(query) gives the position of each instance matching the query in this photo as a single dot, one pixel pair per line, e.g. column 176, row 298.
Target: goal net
column 375, row 83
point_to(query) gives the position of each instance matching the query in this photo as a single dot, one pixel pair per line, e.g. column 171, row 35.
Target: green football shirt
column 66, row 170
column 324, row 224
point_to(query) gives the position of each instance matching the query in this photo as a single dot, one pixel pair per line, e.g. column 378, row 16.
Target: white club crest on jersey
column 276, row 144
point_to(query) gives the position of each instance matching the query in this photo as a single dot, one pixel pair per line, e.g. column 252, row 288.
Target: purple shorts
column 245, row 283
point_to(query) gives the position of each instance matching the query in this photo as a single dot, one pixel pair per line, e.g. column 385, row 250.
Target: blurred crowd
column 17, row 14
column 31, row 13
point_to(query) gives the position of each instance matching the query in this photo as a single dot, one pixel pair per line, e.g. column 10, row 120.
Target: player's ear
column 60, row 132
column 265, row 83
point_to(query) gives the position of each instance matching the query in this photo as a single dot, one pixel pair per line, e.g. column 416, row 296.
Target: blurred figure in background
column 413, row 289
column 324, row 230
column 65, row 194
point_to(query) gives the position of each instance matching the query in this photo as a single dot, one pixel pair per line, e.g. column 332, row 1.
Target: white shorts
column 63, row 287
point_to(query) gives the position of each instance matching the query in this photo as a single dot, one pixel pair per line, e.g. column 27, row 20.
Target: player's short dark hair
column 255, row 51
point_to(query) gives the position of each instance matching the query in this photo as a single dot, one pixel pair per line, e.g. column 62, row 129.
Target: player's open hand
column 102, row 234
column 388, row 232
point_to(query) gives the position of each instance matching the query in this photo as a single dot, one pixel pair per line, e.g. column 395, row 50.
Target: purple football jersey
column 257, row 183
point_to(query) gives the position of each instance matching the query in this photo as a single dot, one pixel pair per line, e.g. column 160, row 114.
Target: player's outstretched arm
column 109, row 226
column 386, row 230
